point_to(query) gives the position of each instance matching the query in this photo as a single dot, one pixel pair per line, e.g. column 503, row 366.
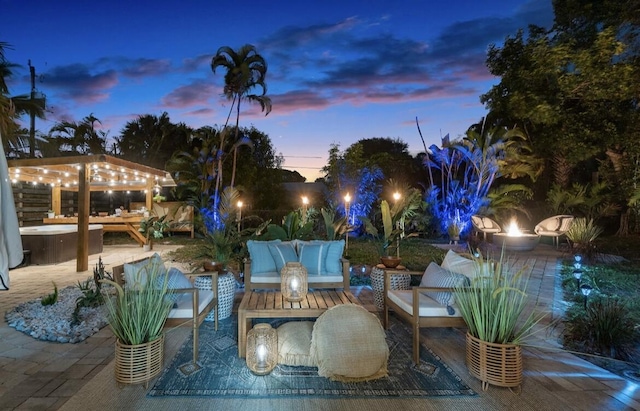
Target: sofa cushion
column 332, row 261
column 312, row 257
column 176, row 280
column 459, row 264
column 333, row 254
column 427, row 306
column 282, row 253
column 436, row 276
column 261, row 259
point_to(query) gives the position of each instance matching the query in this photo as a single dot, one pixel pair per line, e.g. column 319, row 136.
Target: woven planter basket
column 138, row 364
column 495, row 364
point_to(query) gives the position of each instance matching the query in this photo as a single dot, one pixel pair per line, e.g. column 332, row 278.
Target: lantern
column 262, row 349
column 294, row 284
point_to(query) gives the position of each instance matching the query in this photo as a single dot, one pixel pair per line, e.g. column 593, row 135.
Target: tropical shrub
column 582, row 236
column 605, row 327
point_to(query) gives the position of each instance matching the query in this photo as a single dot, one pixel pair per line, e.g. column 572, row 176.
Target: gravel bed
column 53, row 322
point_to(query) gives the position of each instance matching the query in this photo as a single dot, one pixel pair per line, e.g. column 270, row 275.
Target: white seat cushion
column 184, row 307
column 274, row 278
column 428, row 307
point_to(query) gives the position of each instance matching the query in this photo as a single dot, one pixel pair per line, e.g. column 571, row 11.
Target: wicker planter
column 138, row 364
column 495, row 364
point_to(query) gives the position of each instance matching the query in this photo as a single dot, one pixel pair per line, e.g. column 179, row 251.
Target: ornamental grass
column 493, row 305
column 137, row 314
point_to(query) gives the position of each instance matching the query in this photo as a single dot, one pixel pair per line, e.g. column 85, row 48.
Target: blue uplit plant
column 468, row 169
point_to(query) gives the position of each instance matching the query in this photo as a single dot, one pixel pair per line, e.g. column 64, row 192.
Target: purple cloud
column 77, row 83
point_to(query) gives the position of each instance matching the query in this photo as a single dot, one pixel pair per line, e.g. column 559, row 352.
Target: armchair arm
column 247, row 274
column 389, row 273
column 214, row 279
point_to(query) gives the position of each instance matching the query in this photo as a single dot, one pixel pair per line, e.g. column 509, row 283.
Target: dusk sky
column 339, row 71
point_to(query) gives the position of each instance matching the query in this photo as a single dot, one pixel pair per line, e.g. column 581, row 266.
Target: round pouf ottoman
column 226, row 294
column 398, row 282
column 294, row 343
column 348, row 344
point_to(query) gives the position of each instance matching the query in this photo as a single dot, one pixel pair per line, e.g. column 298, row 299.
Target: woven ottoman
column 226, row 294
column 349, row 344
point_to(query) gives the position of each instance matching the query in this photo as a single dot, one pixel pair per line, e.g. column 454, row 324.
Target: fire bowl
column 522, row 242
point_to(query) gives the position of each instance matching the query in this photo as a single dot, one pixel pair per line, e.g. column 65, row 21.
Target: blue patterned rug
column 222, row 374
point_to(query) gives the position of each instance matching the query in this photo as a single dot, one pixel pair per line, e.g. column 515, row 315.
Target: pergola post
column 82, row 259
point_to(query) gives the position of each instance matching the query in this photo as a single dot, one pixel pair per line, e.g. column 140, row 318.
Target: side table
column 226, row 294
column 399, row 281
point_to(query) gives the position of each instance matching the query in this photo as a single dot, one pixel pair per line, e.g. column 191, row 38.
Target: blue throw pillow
column 333, row 265
column 312, row 257
column 282, row 254
column 261, row 259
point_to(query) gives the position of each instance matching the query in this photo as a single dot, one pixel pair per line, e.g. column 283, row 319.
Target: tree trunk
column 623, row 229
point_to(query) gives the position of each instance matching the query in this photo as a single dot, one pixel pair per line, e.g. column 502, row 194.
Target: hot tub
column 51, row 244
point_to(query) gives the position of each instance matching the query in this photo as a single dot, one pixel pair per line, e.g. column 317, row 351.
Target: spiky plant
column 493, row 306
column 137, row 313
column 582, row 236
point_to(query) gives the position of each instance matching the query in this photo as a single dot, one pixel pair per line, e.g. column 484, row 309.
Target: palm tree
column 246, row 72
column 13, row 107
column 82, row 137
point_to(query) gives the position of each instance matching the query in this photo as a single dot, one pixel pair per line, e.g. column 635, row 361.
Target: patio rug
column 222, row 374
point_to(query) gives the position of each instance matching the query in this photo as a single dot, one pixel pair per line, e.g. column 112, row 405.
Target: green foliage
column 91, row 292
column 582, row 236
column 293, row 227
column 137, row 313
column 393, row 221
column 606, row 327
column 335, row 227
column 153, row 227
column 494, row 304
column 51, row 298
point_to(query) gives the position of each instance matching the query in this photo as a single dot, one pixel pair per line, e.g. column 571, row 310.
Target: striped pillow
column 436, row 276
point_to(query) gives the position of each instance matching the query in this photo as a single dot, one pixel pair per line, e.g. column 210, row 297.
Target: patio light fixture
column 294, row 283
column 586, row 290
column 239, row 214
column 347, row 202
column 577, row 269
column 262, row 349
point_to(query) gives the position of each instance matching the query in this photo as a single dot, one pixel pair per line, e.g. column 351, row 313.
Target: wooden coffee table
column 271, row 304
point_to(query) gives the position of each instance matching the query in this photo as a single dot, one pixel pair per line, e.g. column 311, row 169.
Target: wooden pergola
column 85, row 174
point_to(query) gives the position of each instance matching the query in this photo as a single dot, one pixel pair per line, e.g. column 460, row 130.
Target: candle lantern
column 293, row 283
column 262, row 349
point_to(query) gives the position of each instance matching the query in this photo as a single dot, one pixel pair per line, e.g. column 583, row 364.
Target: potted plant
column 51, row 214
column 137, row 315
column 153, row 227
column 393, row 221
column 493, row 307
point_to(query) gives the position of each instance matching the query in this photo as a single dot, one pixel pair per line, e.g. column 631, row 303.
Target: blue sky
column 339, row 71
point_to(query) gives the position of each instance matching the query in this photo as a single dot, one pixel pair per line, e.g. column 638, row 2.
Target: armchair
column 484, row 225
column 193, row 306
column 554, row 227
column 429, row 305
